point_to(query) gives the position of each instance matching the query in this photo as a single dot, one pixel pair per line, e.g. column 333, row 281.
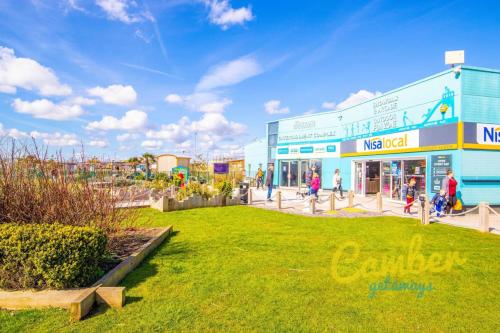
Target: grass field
column 245, row 269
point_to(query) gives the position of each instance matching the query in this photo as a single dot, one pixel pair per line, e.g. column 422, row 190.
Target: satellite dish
column 454, row 57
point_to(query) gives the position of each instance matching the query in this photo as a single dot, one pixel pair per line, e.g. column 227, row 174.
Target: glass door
column 284, row 171
column 304, row 165
column 294, row 174
column 396, row 180
column 358, row 177
column 386, row 179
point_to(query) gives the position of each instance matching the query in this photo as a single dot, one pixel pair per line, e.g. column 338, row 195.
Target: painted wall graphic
column 430, row 102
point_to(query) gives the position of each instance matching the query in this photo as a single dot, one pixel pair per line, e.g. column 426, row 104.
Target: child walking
column 410, row 193
column 439, row 201
column 315, row 184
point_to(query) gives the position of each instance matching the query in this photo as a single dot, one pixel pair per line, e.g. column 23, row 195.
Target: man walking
column 269, row 181
column 260, row 176
column 337, row 183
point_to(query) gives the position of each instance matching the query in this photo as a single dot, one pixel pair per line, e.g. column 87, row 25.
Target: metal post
column 426, row 212
column 313, row 205
column 351, row 199
column 379, row 203
column 250, row 199
column 278, row 199
column 332, row 201
column 484, row 216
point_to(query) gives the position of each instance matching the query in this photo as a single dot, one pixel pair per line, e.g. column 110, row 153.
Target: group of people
column 312, row 180
column 443, row 202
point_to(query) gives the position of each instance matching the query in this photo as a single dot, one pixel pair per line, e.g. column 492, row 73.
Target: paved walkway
column 292, row 202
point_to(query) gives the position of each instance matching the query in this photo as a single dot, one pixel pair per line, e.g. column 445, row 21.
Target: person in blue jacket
column 439, row 201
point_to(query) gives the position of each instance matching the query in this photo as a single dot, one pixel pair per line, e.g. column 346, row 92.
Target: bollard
column 312, row 204
column 278, row 199
column 250, row 199
column 426, row 212
column 332, row 201
column 484, row 216
column 351, row 199
column 379, row 203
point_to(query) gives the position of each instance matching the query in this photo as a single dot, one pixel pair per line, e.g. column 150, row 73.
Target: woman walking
column 449, row 186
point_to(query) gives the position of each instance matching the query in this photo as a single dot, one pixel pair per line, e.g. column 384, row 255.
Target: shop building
column 450, row 120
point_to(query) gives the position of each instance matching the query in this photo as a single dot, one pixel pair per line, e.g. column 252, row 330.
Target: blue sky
column 125, row 76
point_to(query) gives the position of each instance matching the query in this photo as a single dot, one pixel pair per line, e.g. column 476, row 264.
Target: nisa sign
column 396, row 141
column 488, row 134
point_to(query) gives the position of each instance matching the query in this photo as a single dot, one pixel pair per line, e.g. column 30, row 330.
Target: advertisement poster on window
column 440, row 164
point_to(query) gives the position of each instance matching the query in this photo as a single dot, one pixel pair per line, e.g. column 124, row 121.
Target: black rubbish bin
column 244, row 192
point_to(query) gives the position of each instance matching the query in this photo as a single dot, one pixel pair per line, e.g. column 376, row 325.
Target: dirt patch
column 124, row 243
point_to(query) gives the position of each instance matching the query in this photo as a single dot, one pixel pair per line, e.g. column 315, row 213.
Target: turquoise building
column 450, row 120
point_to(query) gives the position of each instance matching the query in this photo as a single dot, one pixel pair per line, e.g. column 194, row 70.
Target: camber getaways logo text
column 391, row 270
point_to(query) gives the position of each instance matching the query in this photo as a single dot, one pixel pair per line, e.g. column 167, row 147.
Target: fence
column 478, row 217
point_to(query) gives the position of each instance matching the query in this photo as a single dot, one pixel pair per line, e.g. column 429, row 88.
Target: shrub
column 225, row 187
column 50, row 256
column 36, row 189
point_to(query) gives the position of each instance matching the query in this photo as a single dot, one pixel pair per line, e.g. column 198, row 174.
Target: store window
column 415, row 169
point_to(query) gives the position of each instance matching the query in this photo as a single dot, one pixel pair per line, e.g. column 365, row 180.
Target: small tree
column 135, row 161
column 148, row 158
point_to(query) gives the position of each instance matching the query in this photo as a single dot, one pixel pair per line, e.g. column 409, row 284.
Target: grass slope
column 246, row 269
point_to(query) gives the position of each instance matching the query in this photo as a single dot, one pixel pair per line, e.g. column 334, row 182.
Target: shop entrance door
column 358, row 177
column 289, row 173
column 372, row 177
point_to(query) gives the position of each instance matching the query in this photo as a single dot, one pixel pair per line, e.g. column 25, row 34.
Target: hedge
column 50, row 256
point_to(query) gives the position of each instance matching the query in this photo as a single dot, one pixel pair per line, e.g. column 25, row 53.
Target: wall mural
column 398, row 111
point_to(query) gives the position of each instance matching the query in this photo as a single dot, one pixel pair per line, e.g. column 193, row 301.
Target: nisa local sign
column 396, row 141
column 488, row 134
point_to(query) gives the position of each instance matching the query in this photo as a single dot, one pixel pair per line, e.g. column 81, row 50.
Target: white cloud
column 274, row 107
column 229, row 73
column 211, row 128
column 222, row 14
column 45, row 109
column 118, row 10
column 98, row 143
column 152, row 144
column 132, row 120
column 328, row 105
column 12, row 132
column 201, row 102
column 56, row 139
column 79, row 100
column 357, row 98
column 174, row 99
column 115, row 94
column 216, row 123
column 310, row 111
column 175, row 132
column 28, row 74
column 126, row 137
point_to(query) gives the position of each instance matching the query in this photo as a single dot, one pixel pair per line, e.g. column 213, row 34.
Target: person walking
column 269, row 181
column 410, row 193
column 449, row 185
column 315, row 185
column 260, row 178
column 337, row 183
column 309, row 176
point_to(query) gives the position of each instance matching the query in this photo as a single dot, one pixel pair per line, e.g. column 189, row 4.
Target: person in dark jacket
column 439, row 203
column 269, row 181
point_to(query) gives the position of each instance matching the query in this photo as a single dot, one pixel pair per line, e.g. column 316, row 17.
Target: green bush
column 225, row 187
column 50, row 256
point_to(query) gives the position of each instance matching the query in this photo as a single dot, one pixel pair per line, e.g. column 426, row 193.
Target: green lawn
column 246, row 269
